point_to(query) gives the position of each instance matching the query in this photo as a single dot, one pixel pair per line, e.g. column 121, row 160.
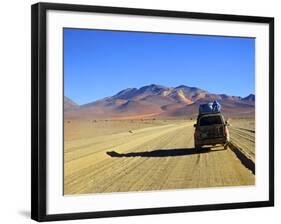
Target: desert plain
column 102, row 156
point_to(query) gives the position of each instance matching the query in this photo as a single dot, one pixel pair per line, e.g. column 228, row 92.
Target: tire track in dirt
column 93, row 170
column 126, row 175
column 152, row 159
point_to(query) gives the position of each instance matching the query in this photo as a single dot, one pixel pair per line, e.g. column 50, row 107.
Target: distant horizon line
column 153, row 84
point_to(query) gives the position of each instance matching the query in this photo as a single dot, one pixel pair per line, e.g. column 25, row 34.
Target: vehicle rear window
column 210, row 120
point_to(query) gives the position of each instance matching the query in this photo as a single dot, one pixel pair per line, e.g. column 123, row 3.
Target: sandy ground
column 243, row 135
column 135, row 155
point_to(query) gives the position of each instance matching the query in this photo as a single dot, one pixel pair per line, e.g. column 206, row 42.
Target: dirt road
column 244, row 138
column 151, row 158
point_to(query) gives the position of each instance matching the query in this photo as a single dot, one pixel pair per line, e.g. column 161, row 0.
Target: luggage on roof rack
column 211, row 107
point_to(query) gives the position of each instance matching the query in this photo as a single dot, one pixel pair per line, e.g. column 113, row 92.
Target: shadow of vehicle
column 163, row 152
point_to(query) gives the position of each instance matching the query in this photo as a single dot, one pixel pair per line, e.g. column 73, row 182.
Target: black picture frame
column 38, row 108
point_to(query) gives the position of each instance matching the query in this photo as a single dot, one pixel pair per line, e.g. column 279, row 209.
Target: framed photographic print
column 139, row 111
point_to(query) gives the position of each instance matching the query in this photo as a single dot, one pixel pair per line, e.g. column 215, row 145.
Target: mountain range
column 158, row 101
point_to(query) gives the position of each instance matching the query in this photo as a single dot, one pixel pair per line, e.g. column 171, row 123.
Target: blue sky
column 100, row 63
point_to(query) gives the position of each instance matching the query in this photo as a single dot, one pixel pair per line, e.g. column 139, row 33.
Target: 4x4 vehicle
column 211, row 129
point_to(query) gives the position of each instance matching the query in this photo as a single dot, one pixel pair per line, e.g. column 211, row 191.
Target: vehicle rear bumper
column 212, row 141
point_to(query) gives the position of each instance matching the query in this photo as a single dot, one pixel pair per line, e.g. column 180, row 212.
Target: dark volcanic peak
column 181, row 86
column 153, row 88
column 126, row 93
column 250, row 97
column 187, row 87
column 144, row 91
column 227, row 97
column 224, row 96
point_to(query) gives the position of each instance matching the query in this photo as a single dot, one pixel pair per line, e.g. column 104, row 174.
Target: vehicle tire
column 225, row 146
column 197, row 147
